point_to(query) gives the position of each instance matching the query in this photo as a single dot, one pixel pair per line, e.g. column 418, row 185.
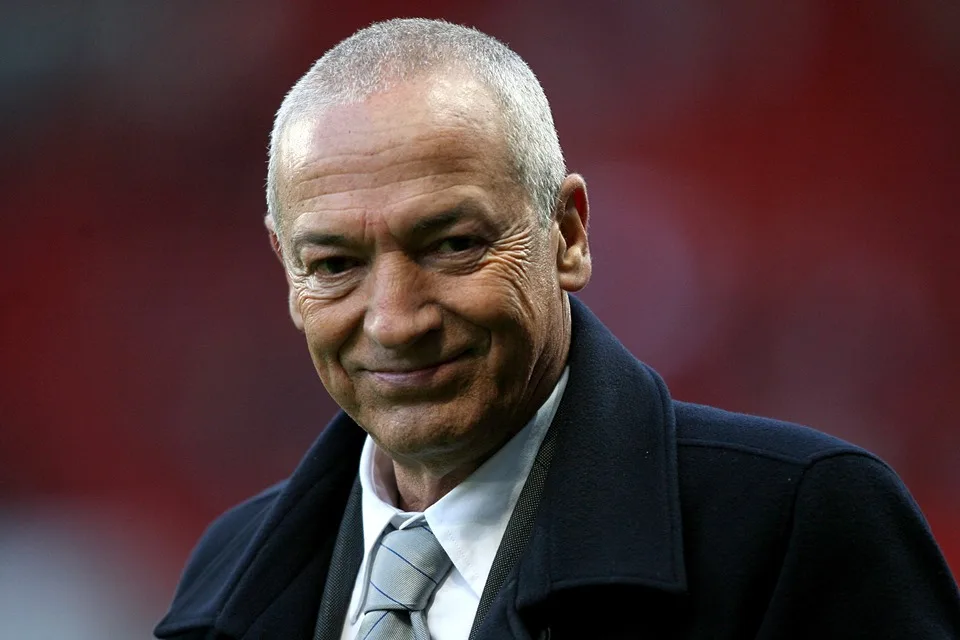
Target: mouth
column 417, row 377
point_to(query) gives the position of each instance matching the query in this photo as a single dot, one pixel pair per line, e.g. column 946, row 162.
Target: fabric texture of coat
column 658, row 519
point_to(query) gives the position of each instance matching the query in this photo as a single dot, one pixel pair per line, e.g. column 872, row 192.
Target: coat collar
column 610, row 509
column 609, row 513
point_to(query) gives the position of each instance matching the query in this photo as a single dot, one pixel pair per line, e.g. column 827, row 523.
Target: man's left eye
column 457, row 244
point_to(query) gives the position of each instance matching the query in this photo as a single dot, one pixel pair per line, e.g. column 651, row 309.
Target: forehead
column 418, row 138
column 405, row 112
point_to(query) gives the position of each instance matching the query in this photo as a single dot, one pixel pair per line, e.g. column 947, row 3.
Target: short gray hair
column 386, row 53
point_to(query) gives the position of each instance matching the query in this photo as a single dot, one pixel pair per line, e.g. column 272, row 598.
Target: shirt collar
column 470, row 520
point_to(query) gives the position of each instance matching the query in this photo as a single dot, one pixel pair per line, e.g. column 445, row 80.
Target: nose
column 399, row 309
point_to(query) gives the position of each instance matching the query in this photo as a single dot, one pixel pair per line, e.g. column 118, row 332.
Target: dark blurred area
column 774, row 186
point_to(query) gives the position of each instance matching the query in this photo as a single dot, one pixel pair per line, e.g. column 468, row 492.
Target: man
column 502, row 466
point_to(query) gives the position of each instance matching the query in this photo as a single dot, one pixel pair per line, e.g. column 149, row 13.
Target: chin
column 419, row 432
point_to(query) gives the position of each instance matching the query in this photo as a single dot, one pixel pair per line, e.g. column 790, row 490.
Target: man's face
column 426, row 284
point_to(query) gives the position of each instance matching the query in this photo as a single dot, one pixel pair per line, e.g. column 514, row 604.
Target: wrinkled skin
column 431, row 296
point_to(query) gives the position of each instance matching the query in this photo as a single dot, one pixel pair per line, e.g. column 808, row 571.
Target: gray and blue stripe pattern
column 407, row 568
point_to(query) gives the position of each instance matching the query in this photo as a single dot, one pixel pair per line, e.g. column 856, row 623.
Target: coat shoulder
column 708, row 427
column 215, row 560
column 810, row 535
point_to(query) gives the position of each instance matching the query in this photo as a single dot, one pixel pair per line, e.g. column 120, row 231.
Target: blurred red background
column 782, row 180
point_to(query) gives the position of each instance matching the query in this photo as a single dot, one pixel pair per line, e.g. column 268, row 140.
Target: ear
column 573, row 251
column 278, row 251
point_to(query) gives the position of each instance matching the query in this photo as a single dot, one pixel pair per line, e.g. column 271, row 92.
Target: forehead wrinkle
column 437, row 139
column 332, row 176
column 471, row 193
column 319, row 174
column 354, row 194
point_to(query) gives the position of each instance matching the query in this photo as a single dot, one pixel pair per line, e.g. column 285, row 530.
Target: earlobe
column 573, row 251
column 292, row 307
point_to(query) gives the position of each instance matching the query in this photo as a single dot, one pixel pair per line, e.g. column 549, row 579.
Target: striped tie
column 408, row 567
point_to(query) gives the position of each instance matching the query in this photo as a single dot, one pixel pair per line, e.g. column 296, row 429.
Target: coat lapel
column 610, row 509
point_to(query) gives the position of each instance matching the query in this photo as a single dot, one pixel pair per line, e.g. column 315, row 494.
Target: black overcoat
column 658, row 519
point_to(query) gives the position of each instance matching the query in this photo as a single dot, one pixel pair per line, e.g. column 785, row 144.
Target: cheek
column 491, row 301
column 327, row 327
column 508, row 309
column 515, row 296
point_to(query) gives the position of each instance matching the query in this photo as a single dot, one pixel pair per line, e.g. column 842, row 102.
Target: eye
column 457, row 244
column 333, row 265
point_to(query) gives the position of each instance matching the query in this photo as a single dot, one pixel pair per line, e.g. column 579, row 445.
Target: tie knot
column 407, row 568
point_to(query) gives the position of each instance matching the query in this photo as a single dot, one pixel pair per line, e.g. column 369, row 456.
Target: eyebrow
column 444, row 220
column 301, row 238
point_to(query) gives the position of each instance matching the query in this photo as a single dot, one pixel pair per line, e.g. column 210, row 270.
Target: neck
column 418, row 488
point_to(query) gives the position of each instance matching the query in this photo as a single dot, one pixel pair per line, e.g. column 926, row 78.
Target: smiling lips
column 404, row 378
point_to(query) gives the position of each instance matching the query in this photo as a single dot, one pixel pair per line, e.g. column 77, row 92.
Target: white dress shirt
column 469, row 523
